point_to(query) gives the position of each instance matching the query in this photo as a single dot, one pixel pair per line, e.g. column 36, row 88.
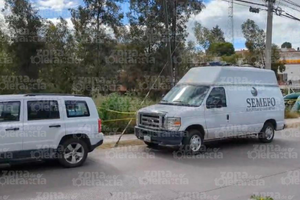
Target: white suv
column 46, row 126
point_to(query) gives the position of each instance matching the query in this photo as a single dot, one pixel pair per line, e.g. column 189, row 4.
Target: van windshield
column 186, row 95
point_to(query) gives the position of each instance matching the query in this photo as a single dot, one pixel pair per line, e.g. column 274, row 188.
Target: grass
column 291, row 115
column 254, row 197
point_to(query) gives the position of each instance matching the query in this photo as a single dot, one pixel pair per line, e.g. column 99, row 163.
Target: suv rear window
column 38, row 110
column 9, row 111
column 77, row 109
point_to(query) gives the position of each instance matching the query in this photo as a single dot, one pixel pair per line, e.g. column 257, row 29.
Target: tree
column 203, row 35
column 287, row 45
column 60, row 67
column 25, row 27
column 277, row 65
column 94, row 43
column 206, row 37
column 221, row 49
column 159, row 31
column 255, row 42
column 233, row 59
column 217, row 35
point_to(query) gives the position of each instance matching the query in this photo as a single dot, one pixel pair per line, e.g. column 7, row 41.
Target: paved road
column 229, row 170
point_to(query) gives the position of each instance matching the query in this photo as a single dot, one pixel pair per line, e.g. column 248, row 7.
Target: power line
column 292, row 3
column 236, row 3
column 290, row 16
column 289, row 6
column 252, row 3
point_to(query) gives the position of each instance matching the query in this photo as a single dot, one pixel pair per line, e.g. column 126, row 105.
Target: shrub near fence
column 117, row 110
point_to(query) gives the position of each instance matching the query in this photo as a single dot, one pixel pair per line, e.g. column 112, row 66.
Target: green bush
column 127, row 105
column 254, row 197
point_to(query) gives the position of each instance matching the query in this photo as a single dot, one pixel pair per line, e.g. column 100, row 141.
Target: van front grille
column 154, row 121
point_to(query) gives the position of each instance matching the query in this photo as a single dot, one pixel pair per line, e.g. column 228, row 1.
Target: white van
column 211, row 103
column 47, row 126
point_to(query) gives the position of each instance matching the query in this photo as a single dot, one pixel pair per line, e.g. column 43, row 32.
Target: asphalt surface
column 233, row 169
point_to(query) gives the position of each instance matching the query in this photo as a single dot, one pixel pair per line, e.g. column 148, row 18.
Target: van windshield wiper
column 181, row 103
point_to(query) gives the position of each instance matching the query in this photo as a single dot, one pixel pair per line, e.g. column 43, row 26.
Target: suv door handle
column 54, row 126
column 12, row 129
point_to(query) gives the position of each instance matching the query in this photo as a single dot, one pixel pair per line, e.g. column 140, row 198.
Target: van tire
column 66, row 147
column 151, row 145
column 194, row 135
column 267, row 133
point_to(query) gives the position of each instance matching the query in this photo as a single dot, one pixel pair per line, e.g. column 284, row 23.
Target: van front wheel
column 267, row 133
column 193, row 141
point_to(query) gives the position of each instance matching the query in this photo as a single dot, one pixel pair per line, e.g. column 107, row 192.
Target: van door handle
column 54, row 126
column 227, row 117
column 12, row 129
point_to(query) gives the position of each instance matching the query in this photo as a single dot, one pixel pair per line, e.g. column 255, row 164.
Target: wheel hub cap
column 195, row 143
column 74, row 153
column 269, row 133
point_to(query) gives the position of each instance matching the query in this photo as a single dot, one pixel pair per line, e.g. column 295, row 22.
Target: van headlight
column 172, row 123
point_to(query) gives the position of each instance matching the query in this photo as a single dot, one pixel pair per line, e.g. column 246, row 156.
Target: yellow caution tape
column 114, row 120
column 115, row 111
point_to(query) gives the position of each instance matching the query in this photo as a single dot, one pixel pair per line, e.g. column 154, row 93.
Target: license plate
column 147, row 138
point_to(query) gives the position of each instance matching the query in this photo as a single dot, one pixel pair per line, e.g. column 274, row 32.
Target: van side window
column 77, row 109
column 38, row 110
column 10, row 111
column 216, row 98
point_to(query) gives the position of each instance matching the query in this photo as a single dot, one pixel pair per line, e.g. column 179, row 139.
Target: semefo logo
column 254, row 91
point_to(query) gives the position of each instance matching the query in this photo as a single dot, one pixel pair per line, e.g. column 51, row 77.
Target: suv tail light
column 99, row 125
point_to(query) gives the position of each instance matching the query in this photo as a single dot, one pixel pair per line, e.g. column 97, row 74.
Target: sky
column 215, row 13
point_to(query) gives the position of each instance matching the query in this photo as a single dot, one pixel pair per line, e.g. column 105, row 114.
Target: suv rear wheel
column 73, row 152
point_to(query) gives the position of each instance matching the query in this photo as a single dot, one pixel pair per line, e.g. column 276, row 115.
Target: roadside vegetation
column 254, row 197
column 117, row 110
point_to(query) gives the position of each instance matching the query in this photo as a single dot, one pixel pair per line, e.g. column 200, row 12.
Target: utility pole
column 231, row 22
column 269, row 34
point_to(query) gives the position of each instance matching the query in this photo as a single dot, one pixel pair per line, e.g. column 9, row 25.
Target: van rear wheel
column 267, row 134
column 193, row 141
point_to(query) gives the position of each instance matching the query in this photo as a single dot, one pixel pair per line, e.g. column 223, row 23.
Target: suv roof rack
column 52, row 94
